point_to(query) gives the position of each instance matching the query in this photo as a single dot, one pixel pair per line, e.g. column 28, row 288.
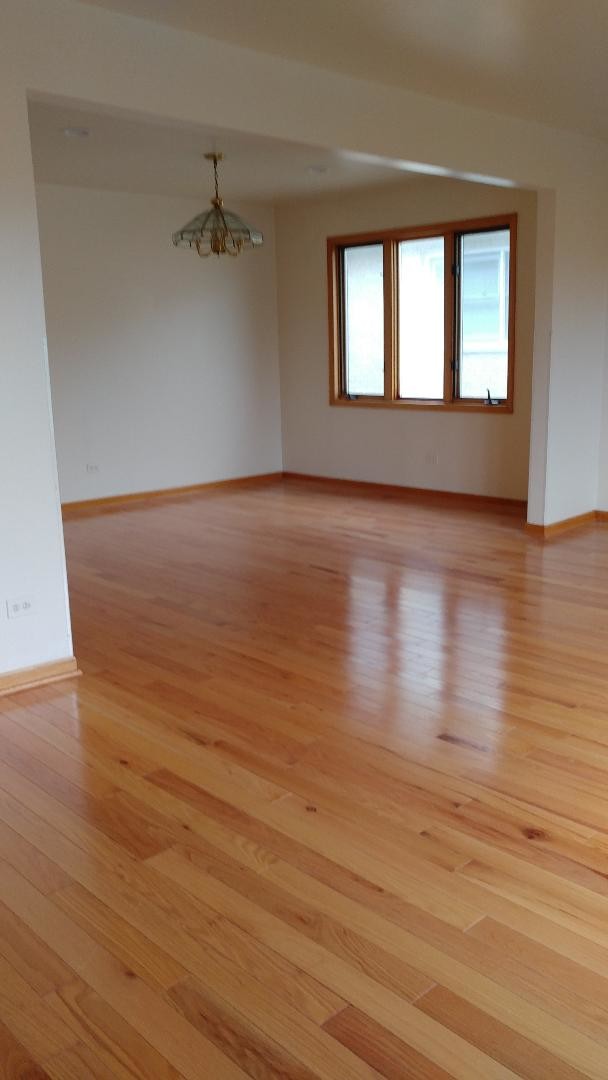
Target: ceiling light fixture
column 217, row 231
column 76, row 132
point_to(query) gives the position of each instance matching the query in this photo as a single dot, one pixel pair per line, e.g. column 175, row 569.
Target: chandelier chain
column 217, row 189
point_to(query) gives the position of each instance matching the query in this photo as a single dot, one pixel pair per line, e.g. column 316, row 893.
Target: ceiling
column 121, row 153
column 539, row 59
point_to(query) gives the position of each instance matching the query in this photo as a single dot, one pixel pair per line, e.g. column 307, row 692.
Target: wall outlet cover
column 19, row 606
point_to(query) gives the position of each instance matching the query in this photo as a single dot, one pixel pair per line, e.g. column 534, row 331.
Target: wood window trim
column 390, row 239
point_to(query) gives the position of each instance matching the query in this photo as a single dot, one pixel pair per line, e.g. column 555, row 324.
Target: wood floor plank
column 254, row 843
column 58, row 720
column 391, row 1057
column 167, row 915
column 245, row 1044
column 31, row 862
column 79, row 1063
column 330, row 800
column 125, row 993
column 29, row 1017
column 122, row 939
column 357, row 986
column 42, row 968
column 305, row 993
column 584, row 913
column 15, row 1061
column 524, row 1056
column 517, row 829
column 570, row 944
column 113, row 1042
column 574, row 978
column 528, row 1019
column 271, row 1011
column 310, row 921
column 37, row 759
column 308, row 825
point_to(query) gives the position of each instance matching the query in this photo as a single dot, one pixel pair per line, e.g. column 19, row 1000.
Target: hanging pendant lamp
column 217, row 231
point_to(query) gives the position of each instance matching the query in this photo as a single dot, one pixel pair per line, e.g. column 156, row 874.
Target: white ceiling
column 126, row 154
column 539, row 59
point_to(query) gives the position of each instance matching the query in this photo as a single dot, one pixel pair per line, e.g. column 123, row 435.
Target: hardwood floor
column 330, row 800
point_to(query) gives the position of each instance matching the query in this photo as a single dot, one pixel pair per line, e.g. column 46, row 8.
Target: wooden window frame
column 390, row 240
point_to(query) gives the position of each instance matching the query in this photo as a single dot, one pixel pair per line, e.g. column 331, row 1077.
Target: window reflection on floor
column 419, row 638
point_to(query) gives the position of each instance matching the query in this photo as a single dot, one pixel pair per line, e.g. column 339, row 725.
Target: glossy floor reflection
column 330, row 799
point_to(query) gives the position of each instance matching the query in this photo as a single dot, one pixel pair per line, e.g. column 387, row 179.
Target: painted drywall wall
column 164, row 366
column 68, row 50
column 602, row 480
column 577, row 352
column 32, row 564
column 485, row 454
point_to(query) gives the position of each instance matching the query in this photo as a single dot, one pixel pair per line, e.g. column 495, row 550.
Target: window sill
column 433, row 406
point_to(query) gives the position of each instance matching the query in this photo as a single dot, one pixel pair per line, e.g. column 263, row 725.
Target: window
column 424, row 317
column 363, row 294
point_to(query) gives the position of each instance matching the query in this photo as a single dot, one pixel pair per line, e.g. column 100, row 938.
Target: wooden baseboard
column 389, row 491
column 109, row 502
column 394, row 491
column 28, row 678
column 412, row 494
column 556, row 528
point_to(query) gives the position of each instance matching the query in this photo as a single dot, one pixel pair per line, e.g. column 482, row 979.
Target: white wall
column 68, row 50
column 485, row 454
column 602, row 493
column 164, row 367
column 577, row 352
column 32, row 562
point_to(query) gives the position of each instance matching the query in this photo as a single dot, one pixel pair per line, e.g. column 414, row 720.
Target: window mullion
column 449, row 321
column 390, row 325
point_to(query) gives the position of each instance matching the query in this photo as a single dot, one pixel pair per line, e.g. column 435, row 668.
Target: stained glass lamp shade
column 218, row 231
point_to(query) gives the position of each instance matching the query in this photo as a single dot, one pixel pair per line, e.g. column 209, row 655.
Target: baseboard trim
column 389, row 491
column 412, row 494
column 29, row 678
column 556, row 528
column 70, row 509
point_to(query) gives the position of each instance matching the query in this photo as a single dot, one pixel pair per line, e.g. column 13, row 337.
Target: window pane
column 484, row 314
column 421, row 299
column 364, row 320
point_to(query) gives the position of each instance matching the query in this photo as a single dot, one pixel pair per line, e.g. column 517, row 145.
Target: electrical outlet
column 22, row 605
column 92, row 468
